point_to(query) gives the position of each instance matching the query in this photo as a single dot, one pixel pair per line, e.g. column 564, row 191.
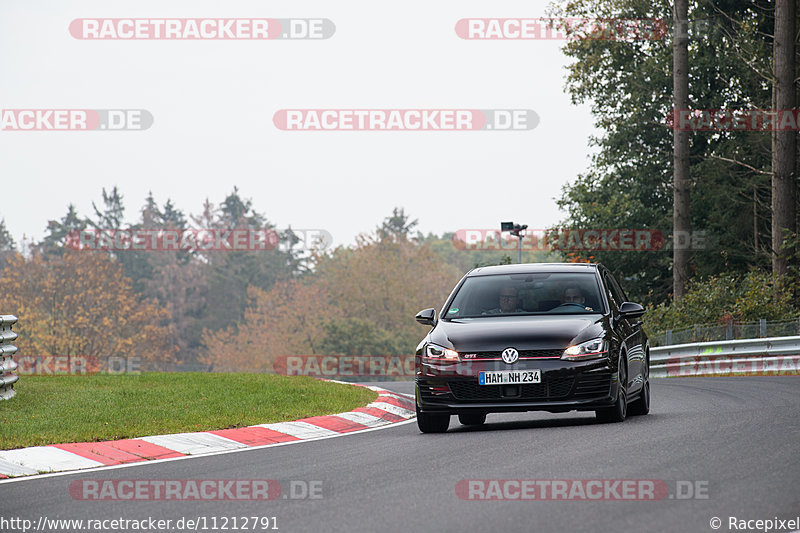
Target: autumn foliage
column 285, row 320
column 200, row 310
column 358, row 301
column 82, row 304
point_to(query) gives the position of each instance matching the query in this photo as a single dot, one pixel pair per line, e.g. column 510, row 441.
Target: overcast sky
column 213, row 103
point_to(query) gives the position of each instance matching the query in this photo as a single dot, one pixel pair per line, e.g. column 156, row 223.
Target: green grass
column 60, row 409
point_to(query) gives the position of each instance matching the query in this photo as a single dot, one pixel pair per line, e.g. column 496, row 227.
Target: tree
column 720, row 299
column 111, row 217
column 7, row 246
column 236, row 212
column 171, row 217
column 386, row 282
column 285, row 320
column 230, row 273
column 356, row 301
column 173, row 278
column 784, row 159
column 681, row 223
column 58, row 230
column 397, row 226
column 112, row 214
column 630, row 182
column 150, row 214
column 6, row 240
column 81, row 304
column 207, row 219
column 357, row 336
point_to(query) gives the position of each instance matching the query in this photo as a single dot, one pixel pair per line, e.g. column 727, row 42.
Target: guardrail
column 7, row 363
column 771, row 356
column 726, row 332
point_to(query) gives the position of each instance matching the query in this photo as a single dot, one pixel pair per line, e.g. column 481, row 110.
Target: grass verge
column 60, row 409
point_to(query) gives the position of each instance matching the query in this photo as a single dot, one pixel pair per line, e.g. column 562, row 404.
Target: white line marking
column 194, row 443
column 364, row 418
column 390, row 395
column 13, row 469
column 301, row 430
column 391, row 408
column 47, row 459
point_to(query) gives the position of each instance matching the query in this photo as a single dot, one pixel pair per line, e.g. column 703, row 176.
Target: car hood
column 523, row 333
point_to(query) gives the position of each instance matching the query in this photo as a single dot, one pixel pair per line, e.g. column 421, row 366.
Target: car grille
column 552, row 389
column 593, row 384
column 522, row 353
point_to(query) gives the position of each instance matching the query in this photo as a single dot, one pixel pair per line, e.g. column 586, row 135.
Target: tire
column 472, row 419
column 432, row 422
column 642, row 404
column 619, row 411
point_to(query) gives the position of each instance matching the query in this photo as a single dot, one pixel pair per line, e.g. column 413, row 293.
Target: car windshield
column 541, row 293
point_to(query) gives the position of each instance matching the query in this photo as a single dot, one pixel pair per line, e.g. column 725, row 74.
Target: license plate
column 509, row 377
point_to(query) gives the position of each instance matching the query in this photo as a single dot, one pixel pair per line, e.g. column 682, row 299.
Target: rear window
column 540, row 293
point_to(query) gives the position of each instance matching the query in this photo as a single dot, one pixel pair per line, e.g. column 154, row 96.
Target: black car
column 534, row 337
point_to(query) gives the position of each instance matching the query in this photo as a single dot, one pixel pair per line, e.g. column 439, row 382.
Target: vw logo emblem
column 510, row 356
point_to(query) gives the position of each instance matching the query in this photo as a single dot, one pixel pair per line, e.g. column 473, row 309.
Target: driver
column 572, row 295
column 508, row 299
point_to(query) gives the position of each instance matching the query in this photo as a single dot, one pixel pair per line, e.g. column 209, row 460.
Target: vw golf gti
column 534, row 337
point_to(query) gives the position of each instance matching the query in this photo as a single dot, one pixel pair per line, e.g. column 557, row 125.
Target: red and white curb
column 389, row 408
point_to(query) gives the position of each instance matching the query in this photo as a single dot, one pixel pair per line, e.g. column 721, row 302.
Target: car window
column 618, row 289
column 613, row 289
column 526, row 294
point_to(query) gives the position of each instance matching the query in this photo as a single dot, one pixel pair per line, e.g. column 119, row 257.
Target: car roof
column 526, row 268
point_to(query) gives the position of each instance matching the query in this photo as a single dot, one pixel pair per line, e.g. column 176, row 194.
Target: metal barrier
column 726, row 332
column 776, row 355
column 7, row 363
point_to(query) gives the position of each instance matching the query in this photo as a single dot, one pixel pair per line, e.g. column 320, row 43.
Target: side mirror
column 631, row 310
column 426, row 317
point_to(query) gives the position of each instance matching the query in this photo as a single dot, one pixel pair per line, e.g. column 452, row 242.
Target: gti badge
column 510, row 356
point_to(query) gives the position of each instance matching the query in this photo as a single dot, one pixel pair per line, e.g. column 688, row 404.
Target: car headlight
column 586, row 350
column 441, row 354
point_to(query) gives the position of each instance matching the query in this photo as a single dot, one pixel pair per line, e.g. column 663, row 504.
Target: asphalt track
column 734, row 439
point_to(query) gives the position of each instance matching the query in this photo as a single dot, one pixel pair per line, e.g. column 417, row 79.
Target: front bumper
column 566, row 386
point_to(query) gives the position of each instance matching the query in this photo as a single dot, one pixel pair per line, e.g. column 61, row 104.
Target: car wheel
column 618, row 412
column 472, row 419
column 432, row 422
column 642, row 404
